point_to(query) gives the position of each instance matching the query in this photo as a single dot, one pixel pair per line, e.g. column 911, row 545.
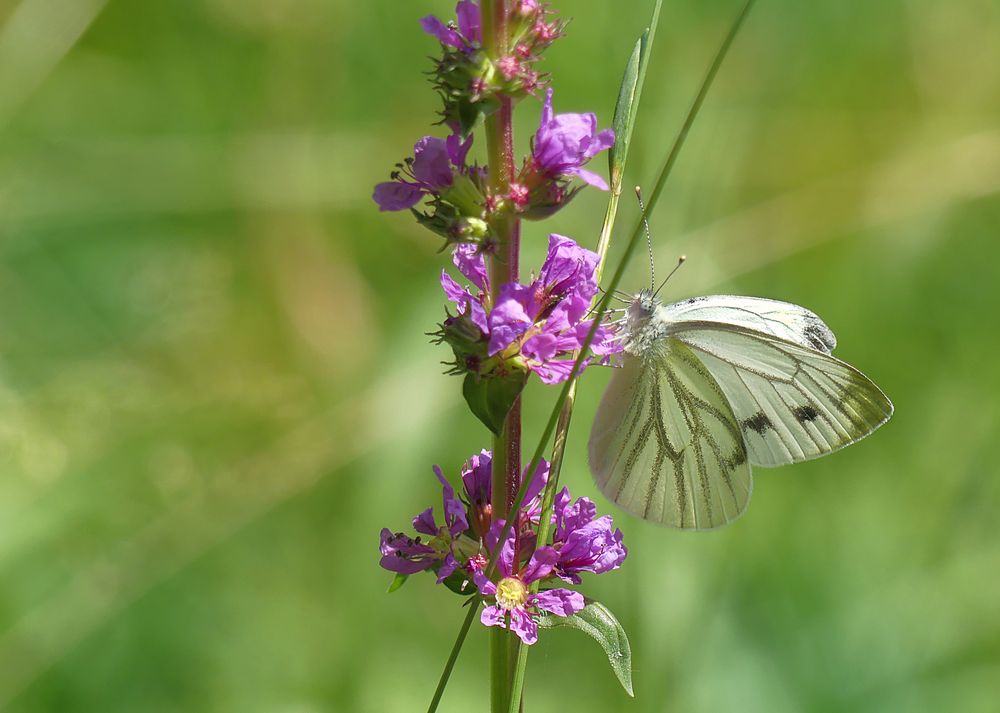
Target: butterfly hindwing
column 666, row 445
column 793, row 403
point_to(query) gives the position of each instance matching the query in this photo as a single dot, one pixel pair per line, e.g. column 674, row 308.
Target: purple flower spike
column 512, row 594
column 565, row 142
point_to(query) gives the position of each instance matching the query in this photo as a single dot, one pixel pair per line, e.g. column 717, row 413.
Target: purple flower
column 430, row 172
column 406, row 555
column 584, row 542
column 465, row 36
column 538, row 326
column 453, row 543
column 513, row 597
column 547, row 315
column 565, row 142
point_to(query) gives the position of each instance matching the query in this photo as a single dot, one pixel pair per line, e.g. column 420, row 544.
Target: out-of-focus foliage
column 215, row 387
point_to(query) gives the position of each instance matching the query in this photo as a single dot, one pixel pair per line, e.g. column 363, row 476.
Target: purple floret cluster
column 535, row 327
column 457, row 548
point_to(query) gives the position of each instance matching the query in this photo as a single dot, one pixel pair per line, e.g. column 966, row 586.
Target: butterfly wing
column 779, row 319
column 666, row 446
column 793, row 403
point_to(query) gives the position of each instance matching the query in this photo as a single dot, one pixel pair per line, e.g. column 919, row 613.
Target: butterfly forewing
column 665, row 444
column 779, row 319
column 792, row 403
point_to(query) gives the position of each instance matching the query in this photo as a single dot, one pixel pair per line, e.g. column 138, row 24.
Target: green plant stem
column 453, row 656
column 503, row 266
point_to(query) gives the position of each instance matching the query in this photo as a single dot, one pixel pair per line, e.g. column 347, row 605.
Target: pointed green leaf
column 597, row 621
column 624, row 114
column 628, row 101
column 490, row 398
column 398, row 581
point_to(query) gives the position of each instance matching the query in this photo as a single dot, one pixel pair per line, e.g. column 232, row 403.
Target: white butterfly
column 711, row 385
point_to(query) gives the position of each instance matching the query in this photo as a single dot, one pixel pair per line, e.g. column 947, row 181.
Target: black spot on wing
column 818, row 335
column 737, row 458
column 805, row 413
column 692, row 301
column 759, row 423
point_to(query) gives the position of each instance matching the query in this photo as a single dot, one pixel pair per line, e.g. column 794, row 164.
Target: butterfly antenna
column 649, row 237
column 680, row 261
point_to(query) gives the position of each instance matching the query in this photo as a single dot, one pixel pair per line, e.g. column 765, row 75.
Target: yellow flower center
column 511, row 593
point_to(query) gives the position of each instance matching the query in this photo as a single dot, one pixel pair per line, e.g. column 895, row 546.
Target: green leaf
column 490, row 398
column 398, row 581
column 597, row 621
column 628, row 101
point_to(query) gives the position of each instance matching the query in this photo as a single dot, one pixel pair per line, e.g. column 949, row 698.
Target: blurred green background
column 215, row 386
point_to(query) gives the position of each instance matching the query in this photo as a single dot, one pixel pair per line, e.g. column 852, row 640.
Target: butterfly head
column 642, row 307
column 638, row 316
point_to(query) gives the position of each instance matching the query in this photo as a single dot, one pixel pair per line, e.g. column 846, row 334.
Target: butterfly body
column 712, row 385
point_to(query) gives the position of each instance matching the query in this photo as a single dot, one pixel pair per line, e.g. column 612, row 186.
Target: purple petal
column 561, row 602
column 542, row 562
column 522, row 624
column 589, row 177
column 394, row 195
column 445, row 35
column 602, row 142
column 477, row 478
column 431, row 164
column 572, row 517
column 477, row 313
column 470, row 262
column 401, row 565
column 605, row 340
column 568, row 313
column 562, row 501
column 485, row 586
column 538, row 480
column 567, row 266
column 424, row 523
column 468, row 20
column 449, row 565
column 555, row 371
column 564, row 142
column 454, row 509
column 454, row 291
column 457, row 149
column 492, row 616
column 540, row 347
column 511, row 317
